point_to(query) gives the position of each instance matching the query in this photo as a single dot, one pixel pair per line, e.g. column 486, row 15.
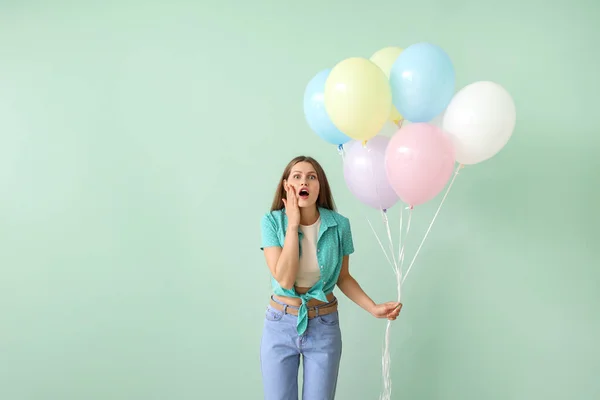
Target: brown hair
column 325, row 199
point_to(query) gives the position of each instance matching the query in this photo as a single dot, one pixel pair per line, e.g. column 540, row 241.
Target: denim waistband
column 285, row 306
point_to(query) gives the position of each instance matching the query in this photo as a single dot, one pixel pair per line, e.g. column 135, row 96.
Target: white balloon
column 480, row 120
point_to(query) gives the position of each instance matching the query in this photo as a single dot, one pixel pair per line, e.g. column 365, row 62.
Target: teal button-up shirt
column 333, row 243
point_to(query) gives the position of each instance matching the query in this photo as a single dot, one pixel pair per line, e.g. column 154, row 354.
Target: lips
column 303, row 194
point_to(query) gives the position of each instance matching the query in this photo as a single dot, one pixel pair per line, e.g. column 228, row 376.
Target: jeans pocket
column 329, row 319
column 273, row 315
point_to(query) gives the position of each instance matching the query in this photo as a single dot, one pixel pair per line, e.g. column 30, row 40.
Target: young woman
column 307, row 244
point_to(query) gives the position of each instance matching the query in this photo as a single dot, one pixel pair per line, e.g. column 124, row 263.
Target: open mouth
column 303, row 194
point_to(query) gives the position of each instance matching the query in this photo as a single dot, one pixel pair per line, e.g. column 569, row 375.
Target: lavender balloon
column 365, row 173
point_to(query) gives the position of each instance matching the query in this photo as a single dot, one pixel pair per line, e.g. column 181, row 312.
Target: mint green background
column 140, row 143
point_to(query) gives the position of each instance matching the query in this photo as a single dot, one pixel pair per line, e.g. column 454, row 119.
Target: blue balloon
column 422, row 81
column 315, row 113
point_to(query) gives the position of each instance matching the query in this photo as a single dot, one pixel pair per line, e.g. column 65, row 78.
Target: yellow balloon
column 358, row 98
column 385, row 59
column 395, row 116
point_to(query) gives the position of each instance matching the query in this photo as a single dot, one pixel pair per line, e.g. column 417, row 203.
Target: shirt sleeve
column 347, row 241
column 268, row 232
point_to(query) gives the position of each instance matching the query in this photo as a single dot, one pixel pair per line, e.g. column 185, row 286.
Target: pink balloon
column 419, row 162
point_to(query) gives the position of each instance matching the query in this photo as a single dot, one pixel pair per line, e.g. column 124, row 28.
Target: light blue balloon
column 315, row 113
column 422, row 81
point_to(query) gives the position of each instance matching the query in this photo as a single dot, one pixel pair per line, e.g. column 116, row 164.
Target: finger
column 394, row 313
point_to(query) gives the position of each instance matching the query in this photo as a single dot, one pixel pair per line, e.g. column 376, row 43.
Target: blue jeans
column 281, row 347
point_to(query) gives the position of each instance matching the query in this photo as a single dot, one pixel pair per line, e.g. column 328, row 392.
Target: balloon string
column 386, row 223
column 380, row 243
column 386, row 360
column 385, row 365
column 432, row 221
column 400, row 246
column 402, row 254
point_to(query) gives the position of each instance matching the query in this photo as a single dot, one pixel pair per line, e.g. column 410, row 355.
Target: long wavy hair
column 325, row 199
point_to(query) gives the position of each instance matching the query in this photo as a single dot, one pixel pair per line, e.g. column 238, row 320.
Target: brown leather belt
column 323, row 309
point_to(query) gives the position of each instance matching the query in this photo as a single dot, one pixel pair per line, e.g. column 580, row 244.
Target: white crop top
column 308, row 268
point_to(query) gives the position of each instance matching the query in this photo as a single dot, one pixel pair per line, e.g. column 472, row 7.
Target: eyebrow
column 300, row 172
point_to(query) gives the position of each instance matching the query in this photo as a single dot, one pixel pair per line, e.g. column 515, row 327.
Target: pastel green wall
column 140, row 143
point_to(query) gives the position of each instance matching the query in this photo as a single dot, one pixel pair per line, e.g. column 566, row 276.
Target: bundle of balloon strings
column 397, row 266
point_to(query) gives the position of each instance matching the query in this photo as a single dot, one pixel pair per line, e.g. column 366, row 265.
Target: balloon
column 422, row 81
column 419, row 162
column 395, row 116
column 480, row 121
column 384, row 59
column 364, row 173
column 315, row 113
column 358, row 98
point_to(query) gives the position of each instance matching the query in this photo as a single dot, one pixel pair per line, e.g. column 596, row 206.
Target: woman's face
column 303, row 178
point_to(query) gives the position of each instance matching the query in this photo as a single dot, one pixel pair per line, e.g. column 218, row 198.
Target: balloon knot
column 364, row 143
column 341, row 147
